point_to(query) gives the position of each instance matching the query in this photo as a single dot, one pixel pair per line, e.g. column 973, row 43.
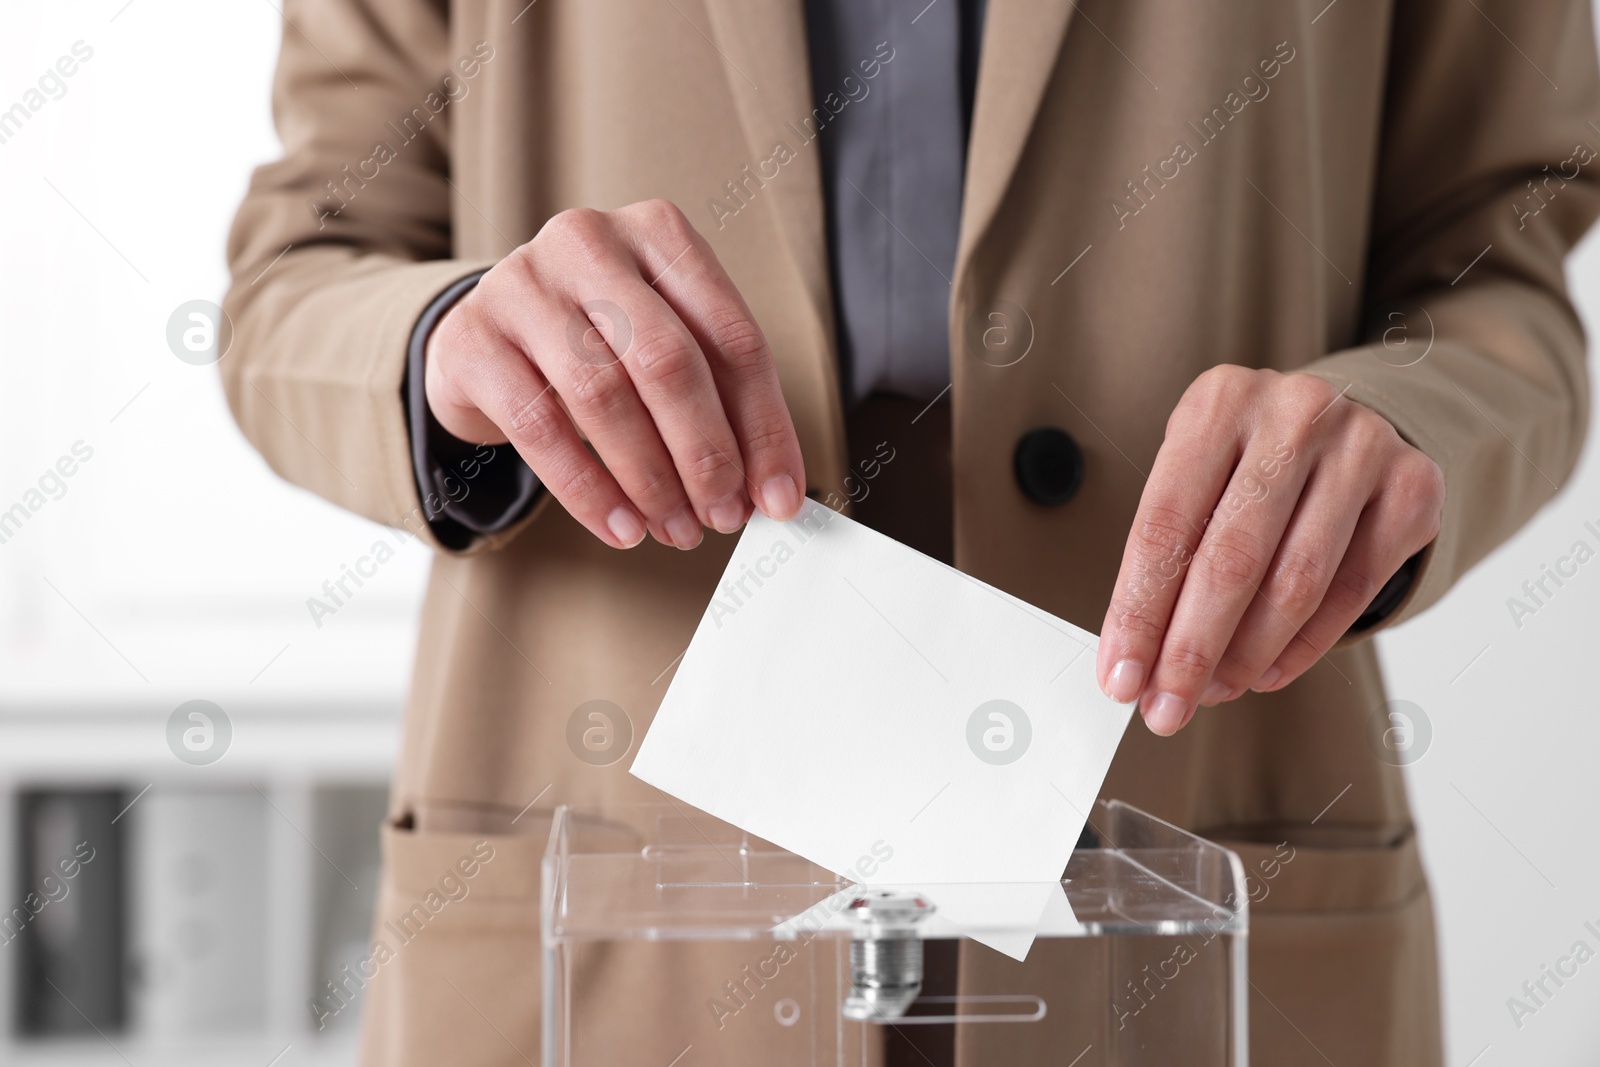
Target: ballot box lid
column 669, row 872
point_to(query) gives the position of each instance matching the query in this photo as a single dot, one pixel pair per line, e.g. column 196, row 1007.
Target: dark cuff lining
column 1389, row 597
column 467, row 490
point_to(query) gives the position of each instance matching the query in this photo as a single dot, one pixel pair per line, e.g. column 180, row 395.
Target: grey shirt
column 892, row 163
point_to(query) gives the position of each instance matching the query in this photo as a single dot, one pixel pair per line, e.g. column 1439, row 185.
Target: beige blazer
column 1380, row 192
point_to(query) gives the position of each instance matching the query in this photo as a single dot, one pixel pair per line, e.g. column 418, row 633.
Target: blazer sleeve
column 1486, row 179
column 339, row 248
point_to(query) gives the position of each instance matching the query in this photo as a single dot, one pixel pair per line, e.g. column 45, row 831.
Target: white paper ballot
column 884, row 715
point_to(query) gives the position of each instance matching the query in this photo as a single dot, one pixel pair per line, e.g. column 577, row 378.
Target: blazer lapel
column 1021, row 40
column 763, row 49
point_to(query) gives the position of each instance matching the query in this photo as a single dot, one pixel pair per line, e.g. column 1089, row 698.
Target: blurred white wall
column 176, row 566
column 1507, row 792
column 174, row 540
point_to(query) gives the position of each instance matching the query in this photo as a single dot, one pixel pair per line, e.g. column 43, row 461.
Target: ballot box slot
column 976, row 1008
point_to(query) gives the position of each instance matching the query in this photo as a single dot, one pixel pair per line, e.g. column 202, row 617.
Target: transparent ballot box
column 671, row 937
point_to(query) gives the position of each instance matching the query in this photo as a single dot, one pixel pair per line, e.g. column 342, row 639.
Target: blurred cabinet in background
column 196, row 895
column 161, row 912
column 64, row 924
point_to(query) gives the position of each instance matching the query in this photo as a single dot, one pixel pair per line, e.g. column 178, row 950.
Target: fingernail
column 1215, row 693
column 683, row 528
column 1125, row 681
column 727, row 514
column 1268, row 680
column 625, row 526
column 779, row 498
column 1165, row 714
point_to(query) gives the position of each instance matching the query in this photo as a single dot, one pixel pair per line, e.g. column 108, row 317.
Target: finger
column 657, row 359
column 1185, row 485
column 1317, row 539
column 673, row 379
column 574, row 351
column 442, row 374
column 511, row 392
column 656, row 364
column 1228, row 568
column 1390, row 531
column 687, row 274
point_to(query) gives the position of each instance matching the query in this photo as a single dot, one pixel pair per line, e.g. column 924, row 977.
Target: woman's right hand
column 622, row 329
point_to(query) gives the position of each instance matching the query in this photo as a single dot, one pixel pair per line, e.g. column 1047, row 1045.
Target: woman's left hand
column 1275, row 512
